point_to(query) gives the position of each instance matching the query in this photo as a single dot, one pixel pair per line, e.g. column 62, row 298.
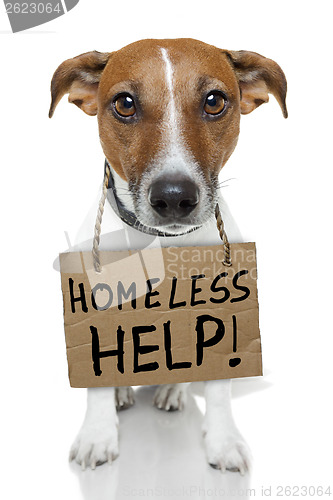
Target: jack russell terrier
column 168, row 114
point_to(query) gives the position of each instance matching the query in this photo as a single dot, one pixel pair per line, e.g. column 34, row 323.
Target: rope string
column 97, row 233
column 223, row 235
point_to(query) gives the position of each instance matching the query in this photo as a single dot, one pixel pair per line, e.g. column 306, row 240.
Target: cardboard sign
column 161, row 315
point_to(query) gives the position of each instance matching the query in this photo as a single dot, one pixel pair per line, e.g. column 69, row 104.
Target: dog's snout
column 175, row 198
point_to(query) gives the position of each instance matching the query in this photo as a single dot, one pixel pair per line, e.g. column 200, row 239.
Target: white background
column 281, row 196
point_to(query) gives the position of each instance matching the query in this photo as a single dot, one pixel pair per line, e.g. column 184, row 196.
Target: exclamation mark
column 234, row 361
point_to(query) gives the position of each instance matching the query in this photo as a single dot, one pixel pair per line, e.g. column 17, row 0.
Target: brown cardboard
column 178, row 349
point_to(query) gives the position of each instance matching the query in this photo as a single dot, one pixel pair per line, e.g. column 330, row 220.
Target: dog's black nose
column 175, row 197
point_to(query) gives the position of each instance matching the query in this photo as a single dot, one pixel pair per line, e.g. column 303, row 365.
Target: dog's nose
column 176, row 197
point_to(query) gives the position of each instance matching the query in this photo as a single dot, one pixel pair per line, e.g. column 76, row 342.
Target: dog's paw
column 170, row 397
column 124, row 397
column 227, row 451
column 95, row 444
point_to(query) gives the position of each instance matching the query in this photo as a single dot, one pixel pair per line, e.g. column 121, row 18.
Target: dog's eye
column 124, row 105
column 214, row 103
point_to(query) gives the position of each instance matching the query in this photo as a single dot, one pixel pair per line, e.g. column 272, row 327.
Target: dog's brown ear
column 257, row 77
column 79, row 77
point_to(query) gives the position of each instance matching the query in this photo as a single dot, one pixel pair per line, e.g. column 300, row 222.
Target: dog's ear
column 79, row 77
column 257, row 77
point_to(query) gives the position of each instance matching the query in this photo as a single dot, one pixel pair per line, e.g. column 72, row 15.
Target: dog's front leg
column 225, row 446
column 97, row 441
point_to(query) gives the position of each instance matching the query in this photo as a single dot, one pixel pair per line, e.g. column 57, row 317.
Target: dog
column 168, row 114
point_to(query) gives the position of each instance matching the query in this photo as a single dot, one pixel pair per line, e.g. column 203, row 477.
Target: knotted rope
column 223, row 235
column 97, row 233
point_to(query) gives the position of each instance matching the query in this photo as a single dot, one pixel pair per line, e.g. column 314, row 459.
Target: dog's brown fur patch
column 93, row 79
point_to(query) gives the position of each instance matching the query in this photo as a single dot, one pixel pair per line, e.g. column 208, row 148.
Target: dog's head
column 168, row 114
